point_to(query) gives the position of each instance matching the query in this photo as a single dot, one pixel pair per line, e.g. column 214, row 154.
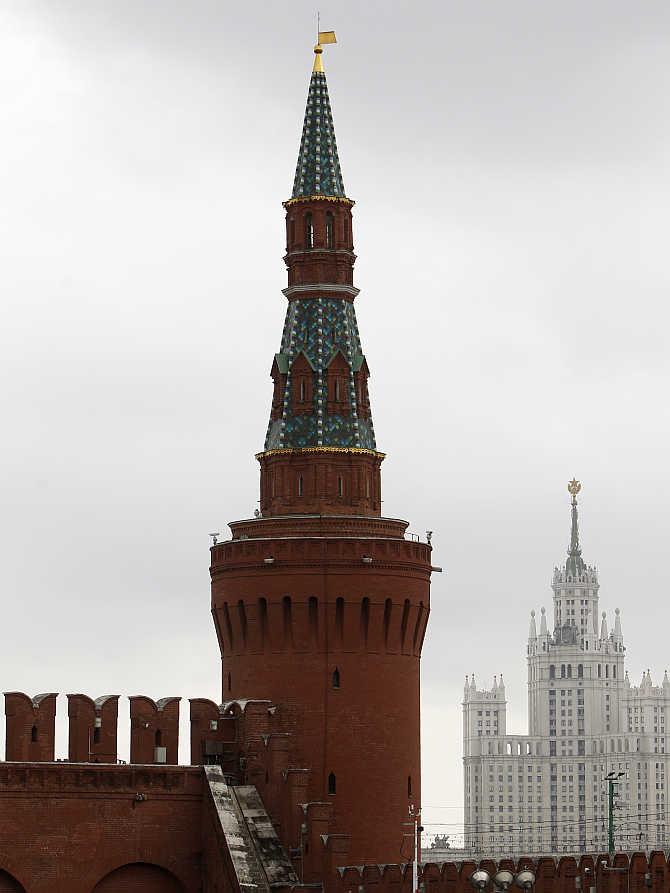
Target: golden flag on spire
column 324, row 37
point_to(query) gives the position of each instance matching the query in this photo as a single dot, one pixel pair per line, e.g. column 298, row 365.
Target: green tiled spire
column 320, row 330
column 318, row 170
column 320, row 352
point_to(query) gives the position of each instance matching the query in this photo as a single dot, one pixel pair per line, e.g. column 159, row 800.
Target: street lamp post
column 612, row 779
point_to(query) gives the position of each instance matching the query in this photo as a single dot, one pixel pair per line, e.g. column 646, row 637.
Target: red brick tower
column 320, row 603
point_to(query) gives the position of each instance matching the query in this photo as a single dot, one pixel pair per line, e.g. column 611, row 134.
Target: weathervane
column 574, row 487
column 321, row 38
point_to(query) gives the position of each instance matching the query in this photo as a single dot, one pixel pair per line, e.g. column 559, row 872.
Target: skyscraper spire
column 575, row 565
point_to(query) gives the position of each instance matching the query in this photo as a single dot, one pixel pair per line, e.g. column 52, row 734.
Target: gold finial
column 324, row 37
column 574, row 487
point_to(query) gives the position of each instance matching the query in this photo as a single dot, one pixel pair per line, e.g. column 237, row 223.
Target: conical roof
column 318, row 170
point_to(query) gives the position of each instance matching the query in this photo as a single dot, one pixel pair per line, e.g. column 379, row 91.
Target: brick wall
column 64, row 827
column 131, row 878
column 636, row 873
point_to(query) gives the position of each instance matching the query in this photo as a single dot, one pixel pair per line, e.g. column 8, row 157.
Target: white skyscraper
column 545, row 792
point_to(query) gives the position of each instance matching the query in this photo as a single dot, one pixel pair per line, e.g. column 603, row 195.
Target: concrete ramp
column 256, row 861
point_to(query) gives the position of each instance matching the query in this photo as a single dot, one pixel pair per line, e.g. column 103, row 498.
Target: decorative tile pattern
column 319, row 327
column 318, row 170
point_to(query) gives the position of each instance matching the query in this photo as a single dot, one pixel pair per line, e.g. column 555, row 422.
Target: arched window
column 96, row 735
column 287, row 611
column 340, row 486
column 388, row 605
column 309, row 230
column 613, row 671
column 569, row 671
column 228, row 624
column 33, row 734
column 600, row 671
column 262, row 623
column 607, row 671
column 242, row 615
column 279, row 379
column 313, row 610
column 337, row 385
column 332, row 783
column 552, row 671
column 361, row 390
column 336, row 678
column 229, row 682
column 329, row 230
column 302, row 386
column 339, row 621
column 301, row 485
column 158, row 738
column 562, row 671
column 580, row 671
column 403, row 624
column 409, row 785
column 365, row 619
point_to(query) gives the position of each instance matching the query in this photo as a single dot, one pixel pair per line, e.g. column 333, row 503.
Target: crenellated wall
column 30, row 724
column 92, row 728
column 634, row 872
column 154, row 730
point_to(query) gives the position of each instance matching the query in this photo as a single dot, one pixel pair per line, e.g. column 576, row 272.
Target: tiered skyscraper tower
column 320, row 603
column 545, row 792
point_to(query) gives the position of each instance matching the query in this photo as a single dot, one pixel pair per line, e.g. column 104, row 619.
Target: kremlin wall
column 307, row 775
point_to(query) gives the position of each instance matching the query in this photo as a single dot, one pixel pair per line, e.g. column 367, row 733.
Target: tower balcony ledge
column 319, row 526
column 320, row 288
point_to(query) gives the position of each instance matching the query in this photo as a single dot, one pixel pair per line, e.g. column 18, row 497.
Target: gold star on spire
column 574, row 486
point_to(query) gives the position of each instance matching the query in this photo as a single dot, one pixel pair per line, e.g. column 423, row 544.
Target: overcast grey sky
column 510, row 168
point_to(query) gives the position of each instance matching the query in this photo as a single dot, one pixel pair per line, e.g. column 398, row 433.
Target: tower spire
column 575, row 565
column 318, row 171
column 320, row 454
